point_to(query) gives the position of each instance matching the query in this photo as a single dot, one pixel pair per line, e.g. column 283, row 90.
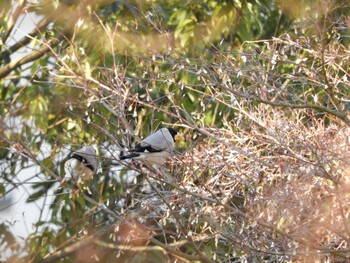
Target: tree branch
column 28, row 58
column 339, row 114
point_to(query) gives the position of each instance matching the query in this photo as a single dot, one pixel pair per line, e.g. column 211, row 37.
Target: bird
column 82, row 164
column 155, row 148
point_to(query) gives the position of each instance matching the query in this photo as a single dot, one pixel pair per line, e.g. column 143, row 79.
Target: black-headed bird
column 82, row 164
column 155, row 148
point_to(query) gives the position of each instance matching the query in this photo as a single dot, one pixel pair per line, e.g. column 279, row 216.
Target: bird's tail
column 128, row 156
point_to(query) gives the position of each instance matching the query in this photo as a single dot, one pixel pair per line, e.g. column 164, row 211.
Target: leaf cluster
column 259, row 89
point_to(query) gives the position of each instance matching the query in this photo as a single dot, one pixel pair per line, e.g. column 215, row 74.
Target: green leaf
column 71, row 124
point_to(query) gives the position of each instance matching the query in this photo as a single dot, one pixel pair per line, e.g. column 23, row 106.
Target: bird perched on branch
column 82, row 164
column 155, row 148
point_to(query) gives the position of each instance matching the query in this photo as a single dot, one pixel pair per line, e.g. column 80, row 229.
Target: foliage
column 260, row 90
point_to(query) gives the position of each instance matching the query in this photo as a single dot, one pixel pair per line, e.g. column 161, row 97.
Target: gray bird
column 155, row 148
column 82, row 165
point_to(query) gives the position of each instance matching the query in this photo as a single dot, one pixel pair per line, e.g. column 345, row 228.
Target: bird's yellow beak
column 179, row 138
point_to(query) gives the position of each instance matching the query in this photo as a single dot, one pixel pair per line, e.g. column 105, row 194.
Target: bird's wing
column 139, row 149
column 158, row 141
column 146, row 148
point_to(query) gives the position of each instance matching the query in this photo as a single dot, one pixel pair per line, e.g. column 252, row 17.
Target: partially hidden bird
column 82, row 164
column 155, row 148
